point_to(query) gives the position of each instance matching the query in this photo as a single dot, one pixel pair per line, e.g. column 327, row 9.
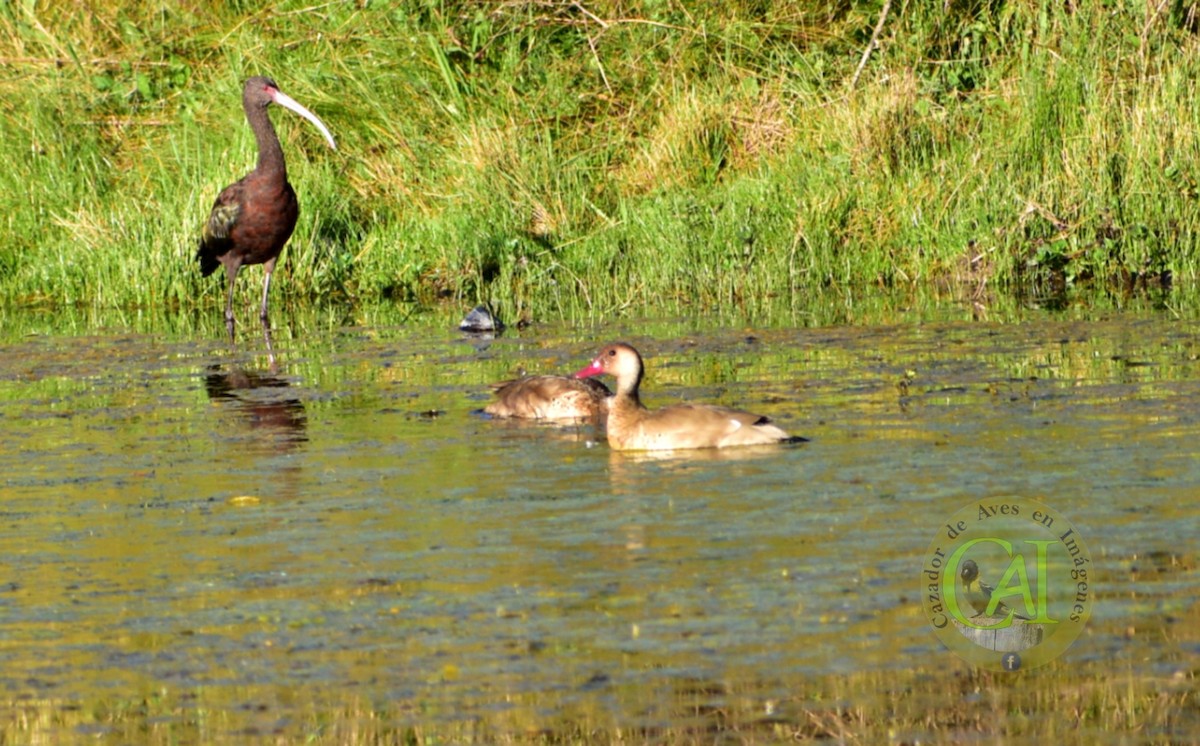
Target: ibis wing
column 221, row 221
column 225, row 212
column 214, row 241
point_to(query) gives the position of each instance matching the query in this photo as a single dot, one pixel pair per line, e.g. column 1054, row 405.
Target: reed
column 566, row 160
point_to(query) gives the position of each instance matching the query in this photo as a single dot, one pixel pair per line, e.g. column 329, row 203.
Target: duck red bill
column 593, row 369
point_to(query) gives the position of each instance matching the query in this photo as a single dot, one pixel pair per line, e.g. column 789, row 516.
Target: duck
column 633, row 427
column 547, row 397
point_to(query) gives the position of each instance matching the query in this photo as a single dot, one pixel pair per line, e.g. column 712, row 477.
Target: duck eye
column 612, row 353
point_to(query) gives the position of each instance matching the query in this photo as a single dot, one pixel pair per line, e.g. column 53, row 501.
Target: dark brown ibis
column 253, row 218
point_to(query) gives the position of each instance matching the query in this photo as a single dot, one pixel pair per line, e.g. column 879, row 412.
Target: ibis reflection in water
column 253, row 218
column 265, row 401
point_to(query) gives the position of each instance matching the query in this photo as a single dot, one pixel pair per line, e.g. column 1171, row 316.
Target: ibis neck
column 270, row 153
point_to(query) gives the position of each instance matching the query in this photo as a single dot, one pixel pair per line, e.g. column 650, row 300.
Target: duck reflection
column 695, row 455
column 629, row 470
column 525, row 431
column 264, row 399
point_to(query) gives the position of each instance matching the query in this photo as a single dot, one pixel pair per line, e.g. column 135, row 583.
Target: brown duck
column 550, row 398
column 632, row 427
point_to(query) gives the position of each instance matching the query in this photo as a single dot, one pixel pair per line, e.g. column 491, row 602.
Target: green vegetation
column 1056, row 704
column 564, row 159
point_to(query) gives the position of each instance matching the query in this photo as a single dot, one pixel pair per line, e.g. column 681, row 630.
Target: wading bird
column 253, row 218
column 632, row 427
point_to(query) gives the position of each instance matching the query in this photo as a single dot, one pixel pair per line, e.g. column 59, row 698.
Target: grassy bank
column 564, row 159
column 1059, row 705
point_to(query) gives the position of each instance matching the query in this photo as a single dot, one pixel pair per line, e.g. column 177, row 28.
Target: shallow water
column 341, row 528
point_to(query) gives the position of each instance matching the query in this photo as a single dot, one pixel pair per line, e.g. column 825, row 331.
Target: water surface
column 339, row 530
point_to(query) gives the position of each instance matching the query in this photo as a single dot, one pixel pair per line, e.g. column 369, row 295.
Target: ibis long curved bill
column 287, row 102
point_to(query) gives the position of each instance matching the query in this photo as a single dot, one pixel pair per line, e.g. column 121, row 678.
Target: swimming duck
column 550, row 398
column 633, row 427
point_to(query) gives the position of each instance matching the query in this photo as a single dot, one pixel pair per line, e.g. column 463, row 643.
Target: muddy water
column 261, row 544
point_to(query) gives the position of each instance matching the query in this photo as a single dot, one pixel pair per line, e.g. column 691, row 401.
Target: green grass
column 565, row 160
column 949, row 704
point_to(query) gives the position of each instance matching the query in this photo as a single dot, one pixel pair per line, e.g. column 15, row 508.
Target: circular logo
column 1005, row 584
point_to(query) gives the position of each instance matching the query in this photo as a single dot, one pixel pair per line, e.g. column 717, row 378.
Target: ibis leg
column 231, row 271
column 268, row 269
column 266, row 329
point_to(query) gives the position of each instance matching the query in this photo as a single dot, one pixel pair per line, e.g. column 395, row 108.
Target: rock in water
column 480, row 320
